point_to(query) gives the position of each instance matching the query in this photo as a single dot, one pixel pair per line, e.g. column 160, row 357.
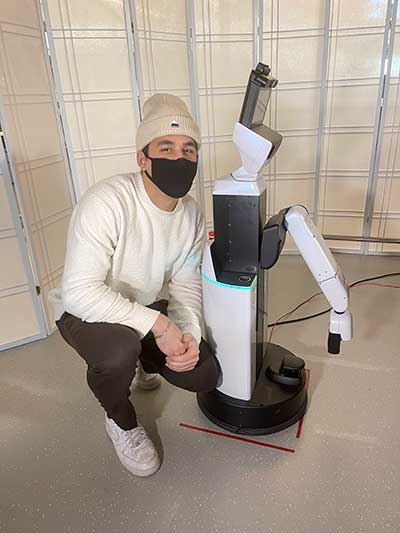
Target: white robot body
column 317, row 256
column 323, row 267
column 230, row 322
column 230, row 311
column 254, row 151
column 263, row 385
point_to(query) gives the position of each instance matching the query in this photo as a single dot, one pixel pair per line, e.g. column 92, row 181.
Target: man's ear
column 141, row 159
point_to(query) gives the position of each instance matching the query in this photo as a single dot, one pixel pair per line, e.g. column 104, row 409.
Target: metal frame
column 354, row 238
column 387, row 55
column 56, row 90
column 23, row 237
column 135, row 62
column 194, row 90
column 322, row 108
column 258, row 31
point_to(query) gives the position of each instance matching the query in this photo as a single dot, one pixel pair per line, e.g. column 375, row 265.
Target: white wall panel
column 386, row 214
column 328, row 143
column 92, row 56
column 19, row 320
column 35, row 150
column 356, row 47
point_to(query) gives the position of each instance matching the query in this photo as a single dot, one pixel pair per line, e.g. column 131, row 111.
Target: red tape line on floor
column 301, row 421
column 244, row 439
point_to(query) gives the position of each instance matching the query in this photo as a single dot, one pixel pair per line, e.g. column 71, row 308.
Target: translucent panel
column 388, row 228
column 345, row 194
column 64, row 53
column 357, row 57
column 224, row 46
column 55, row 236
column 21, row 12
column 352, row 105
column 28, row 66
column 147, row 74
column 292, row 192
column 387, row 196
column 390, row 154
column 87, row 14
column 299, row 59
column 356, row 13
column 38, row 131
column 209, row 160
column 85, row 170
column 111, row 165
column 6, row 221
column 344, row 226
column 76, row 126
column 296, row 154
column 40, row 251
column 395, row 69
column 18, row 319
column 203, row 65
column 219, row 113
column 32, row 132
column 171, row 69
column 110, row 123
column 218, row 17
column 393, row 106
column 12, row 268
column 347, row 151
column 268, row 19
column 28, row 198
column 166, row 16
column 298, row 109
column 301, row 14
column 102, row 64
column 231, row 63
column 51, row 192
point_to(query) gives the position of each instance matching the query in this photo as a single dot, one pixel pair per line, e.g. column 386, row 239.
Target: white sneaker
column 134, row 449
column 145, row 381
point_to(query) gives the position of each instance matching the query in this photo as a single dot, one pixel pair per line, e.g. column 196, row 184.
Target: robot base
column 273, row 406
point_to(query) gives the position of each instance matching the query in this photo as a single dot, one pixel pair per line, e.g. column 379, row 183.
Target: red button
column 211, row 235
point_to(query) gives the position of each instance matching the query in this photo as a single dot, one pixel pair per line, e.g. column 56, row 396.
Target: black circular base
column 272, row 407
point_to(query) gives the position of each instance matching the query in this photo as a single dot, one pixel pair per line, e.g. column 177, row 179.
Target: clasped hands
column 181, row 349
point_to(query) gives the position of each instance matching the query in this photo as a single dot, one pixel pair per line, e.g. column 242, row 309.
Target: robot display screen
column 257, row 96
column 260, row 107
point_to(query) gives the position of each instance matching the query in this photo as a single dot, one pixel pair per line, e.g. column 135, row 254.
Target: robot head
column 256, row 142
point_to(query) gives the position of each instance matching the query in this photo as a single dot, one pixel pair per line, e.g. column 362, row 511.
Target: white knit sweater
column 123, row 253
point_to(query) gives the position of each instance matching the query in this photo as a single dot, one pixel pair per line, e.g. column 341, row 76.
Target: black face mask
column 173, row 177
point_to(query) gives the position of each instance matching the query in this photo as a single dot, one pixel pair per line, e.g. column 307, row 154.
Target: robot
column 263, row 385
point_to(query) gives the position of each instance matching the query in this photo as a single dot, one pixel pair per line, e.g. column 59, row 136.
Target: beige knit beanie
column 165, row 114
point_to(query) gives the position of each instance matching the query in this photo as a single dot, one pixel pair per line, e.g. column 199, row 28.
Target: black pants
column 111, row 352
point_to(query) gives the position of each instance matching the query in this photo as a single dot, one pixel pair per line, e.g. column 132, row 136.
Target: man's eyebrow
column 167, row 142
column 189, row 143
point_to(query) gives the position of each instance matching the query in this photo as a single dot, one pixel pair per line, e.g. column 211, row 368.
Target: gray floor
column 60, row 473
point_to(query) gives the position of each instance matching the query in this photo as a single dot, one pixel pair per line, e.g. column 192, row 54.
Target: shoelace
column 134, row 442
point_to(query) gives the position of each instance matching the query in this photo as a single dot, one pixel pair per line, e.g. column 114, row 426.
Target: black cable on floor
column 308, row 317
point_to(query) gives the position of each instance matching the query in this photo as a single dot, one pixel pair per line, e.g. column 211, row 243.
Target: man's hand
column 185, row 361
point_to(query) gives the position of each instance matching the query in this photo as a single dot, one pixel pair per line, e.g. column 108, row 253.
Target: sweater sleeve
column 185, row 291
column 92, row 238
